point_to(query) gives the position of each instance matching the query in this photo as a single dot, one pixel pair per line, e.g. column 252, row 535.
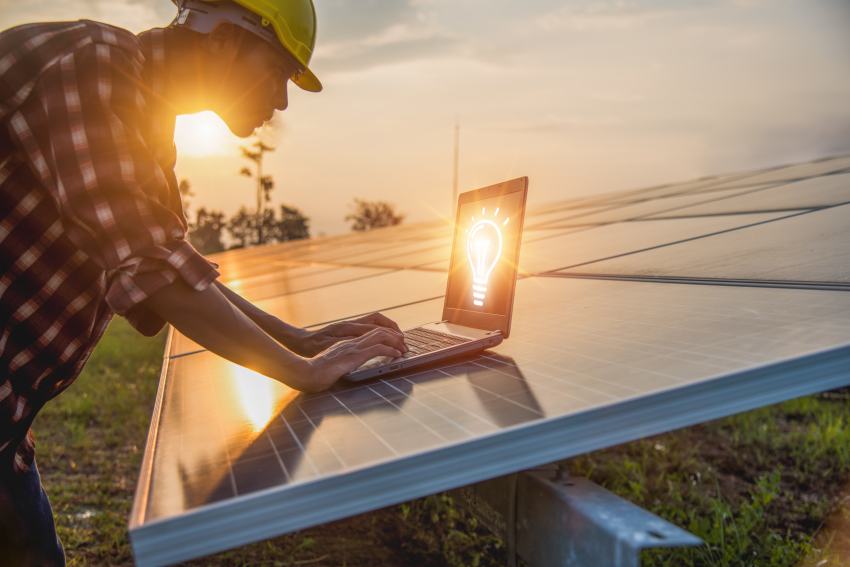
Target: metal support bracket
column 549, row 519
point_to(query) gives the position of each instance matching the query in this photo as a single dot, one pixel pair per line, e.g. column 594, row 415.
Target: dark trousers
column 27, row 533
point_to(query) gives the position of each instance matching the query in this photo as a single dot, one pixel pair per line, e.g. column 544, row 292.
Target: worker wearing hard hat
column 91, row 222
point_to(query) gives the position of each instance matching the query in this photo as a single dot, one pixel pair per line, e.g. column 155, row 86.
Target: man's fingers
column 378, row 350
column 382, row 335
column 380, row 319
column 351, row 329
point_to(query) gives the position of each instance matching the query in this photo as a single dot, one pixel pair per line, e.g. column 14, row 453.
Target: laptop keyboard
column 421, row 340
column 418, row 341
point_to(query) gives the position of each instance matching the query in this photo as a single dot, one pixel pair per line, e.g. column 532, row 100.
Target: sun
column 203, row 134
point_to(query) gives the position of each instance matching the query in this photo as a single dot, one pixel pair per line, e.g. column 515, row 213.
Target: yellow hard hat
column 286, row 24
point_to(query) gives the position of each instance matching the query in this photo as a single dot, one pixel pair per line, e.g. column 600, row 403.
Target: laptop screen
column 485, row 252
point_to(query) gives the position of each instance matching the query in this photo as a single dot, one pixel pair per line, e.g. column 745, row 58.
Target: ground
column 757, row 487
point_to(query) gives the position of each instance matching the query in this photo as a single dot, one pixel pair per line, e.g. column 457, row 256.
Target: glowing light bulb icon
column 483, row 250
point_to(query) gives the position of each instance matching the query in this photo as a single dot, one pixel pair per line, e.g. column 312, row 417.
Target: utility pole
column 456, row 159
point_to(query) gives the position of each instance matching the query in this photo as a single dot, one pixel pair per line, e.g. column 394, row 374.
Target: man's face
column 255, row 85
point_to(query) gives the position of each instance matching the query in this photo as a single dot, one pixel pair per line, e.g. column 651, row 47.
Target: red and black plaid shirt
column 90, row 216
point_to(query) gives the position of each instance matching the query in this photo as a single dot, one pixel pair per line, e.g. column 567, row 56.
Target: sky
column 584, row 97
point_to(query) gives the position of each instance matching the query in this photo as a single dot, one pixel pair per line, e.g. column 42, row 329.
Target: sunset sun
column 203, row 134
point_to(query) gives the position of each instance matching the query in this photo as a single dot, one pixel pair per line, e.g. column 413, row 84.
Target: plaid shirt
column 91, row 222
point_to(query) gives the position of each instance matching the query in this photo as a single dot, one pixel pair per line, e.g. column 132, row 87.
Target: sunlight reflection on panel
column 259, row 397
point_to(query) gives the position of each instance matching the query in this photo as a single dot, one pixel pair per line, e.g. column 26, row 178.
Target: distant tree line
column 265, row 224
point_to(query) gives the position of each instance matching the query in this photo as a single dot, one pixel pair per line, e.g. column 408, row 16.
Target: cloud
column 347, row 20
column 135, row 15
column 609, row 14
column 371, row 52
column 363, row 34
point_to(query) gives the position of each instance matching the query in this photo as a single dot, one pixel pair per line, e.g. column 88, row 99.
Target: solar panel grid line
column 402, row 411
column 754, row 179
column 324, row 441
column 810, row 193
column 627, row 204
column 573, row 385
column 229, row 458
column 741, row 282
column 689, row 239
column 366, row 426
column 448, row 401
column 629, row 196
column 624, row 198
column 813, row 246
column 729, row 213
column 571, row 394
column 301, row 448
column 705, row 184
column 609, row 363
column 430, row 409
column 556, row 224
column 252, row 295
column 261, row 515
column 499, row 396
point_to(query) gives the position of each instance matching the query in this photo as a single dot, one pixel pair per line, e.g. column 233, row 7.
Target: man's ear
column 223, row 40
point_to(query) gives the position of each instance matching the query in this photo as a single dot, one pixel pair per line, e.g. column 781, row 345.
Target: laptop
column 480, row 288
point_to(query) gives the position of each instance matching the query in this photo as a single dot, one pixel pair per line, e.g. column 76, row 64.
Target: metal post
column 549, row 519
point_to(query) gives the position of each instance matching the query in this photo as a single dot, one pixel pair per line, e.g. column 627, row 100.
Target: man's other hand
column 346, row 355
column 317, row 341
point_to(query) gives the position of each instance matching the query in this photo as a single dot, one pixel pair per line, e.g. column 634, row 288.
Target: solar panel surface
column 234, row 457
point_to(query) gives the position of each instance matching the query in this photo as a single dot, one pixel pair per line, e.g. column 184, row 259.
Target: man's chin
column 243, row 129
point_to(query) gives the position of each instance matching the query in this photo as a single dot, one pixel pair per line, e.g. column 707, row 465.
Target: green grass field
column 756, row 487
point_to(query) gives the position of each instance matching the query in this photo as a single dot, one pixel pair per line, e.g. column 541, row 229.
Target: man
column 91, row 222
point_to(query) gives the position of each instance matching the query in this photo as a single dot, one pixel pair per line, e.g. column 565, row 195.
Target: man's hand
column 314, row 342
column 346, row 355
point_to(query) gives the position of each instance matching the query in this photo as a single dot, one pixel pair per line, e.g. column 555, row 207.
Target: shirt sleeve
column 111, row 192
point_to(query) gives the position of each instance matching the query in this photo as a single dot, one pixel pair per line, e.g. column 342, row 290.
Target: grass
column 89, row 444
column 756, row 487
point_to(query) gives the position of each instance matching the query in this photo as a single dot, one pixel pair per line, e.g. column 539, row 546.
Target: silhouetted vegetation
column 245, row 230
column 205, row 232
column 373, row 214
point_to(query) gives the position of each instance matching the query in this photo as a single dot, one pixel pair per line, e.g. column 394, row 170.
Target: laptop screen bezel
column 476, row 319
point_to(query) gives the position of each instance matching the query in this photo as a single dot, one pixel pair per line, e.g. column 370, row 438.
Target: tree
column 205, row 233
column 242, row 228
column 373, row 214
column 264, row 184
column 293, row 225
column 185, row 189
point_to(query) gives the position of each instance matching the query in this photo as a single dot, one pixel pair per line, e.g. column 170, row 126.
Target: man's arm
column 282, row 332
column 301, row 341
column 211, row 320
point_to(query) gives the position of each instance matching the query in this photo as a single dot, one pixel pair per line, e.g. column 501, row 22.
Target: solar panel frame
column 270, row 512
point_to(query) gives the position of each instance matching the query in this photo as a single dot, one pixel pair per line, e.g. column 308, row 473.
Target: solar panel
column 228, row 436
column 811, row 193
column 295, row 280
column 808, row 247
column 791, row 173
column 234, row 457
column 616, row 212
